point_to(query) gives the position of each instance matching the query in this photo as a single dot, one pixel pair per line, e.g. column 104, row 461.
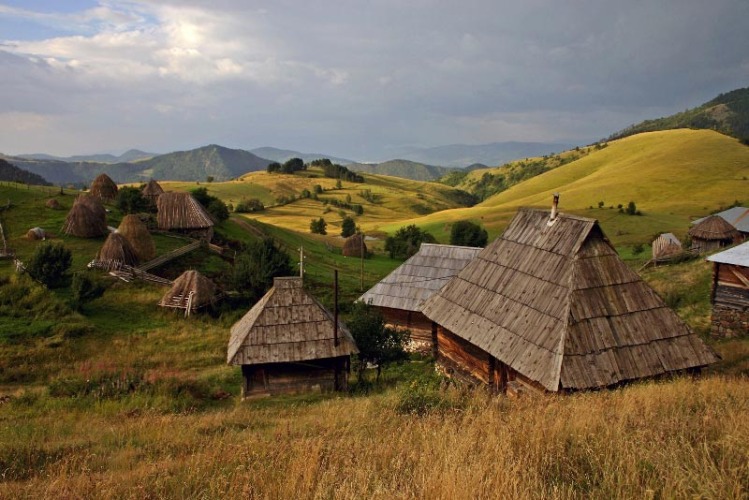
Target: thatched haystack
column 181, row 212
column 116, row 252
column 152, row 191
column 104, row 188
column 354, row 246
column 549, row 305
column 36, row 233
column 53, row 204
column 87, row 218
column 712, row 233
column 288, row 342
column 136, row 233
column 191, row 291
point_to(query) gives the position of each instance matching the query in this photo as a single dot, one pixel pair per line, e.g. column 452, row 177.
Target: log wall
column 419, row 325
column 730, row 317
column 272, row 379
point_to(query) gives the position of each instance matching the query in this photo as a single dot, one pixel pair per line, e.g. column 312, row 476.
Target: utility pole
column 335, row 308
column 361, row 265
column 301, row 261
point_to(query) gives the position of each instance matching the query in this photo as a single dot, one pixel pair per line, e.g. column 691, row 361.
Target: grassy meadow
column 126, row 400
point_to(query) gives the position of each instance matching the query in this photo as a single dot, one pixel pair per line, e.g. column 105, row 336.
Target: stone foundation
column 727, row 322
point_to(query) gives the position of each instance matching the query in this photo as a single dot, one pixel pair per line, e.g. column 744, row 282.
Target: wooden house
column 713, row 233
column 550, row 306
column 182, row 213
column 288, row 343
column 730, row 292
column 666, row 247
column 738, row 217
column 401, row 294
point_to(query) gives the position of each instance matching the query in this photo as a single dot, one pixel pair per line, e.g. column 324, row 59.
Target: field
column 672, row 176
column 125, row 399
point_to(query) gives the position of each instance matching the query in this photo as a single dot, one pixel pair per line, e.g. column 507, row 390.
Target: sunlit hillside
column 672, row 176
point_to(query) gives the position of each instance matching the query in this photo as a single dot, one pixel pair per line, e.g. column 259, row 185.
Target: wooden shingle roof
column 414, row 281
column 181, row 211
column 714, row 228
column 554, row 302
column 287, row 325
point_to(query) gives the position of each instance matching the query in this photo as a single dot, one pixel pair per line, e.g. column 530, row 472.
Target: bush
column 422, row 397
column 257, row 265
column 378, row 345
column 466, row 233
column 130, row 200
column 249, row 206
column 406, row 242
column 318, row 226
column 631, row 208
column 218, row 210
column 49, row 263
column 348, row 227
column 85, row 289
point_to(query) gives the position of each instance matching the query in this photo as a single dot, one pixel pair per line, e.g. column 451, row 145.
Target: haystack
column 354, row 246
column 136, row 233
column 191, row 291
column 152, row 191
column 181, row 212
column 53, row 204
column 104, row 188
column 36, row 233
column 713, row 233
column 116, row 252
column 87, row 218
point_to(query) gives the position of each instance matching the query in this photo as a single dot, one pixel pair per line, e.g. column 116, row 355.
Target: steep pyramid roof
column 714, row 227
column 287, row 325
column 738, row 217
column 152, row 190
column 553, row 301
column 181, row 211
column 414, row 281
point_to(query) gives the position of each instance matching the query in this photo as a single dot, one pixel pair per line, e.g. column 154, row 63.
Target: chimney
column 554, row 208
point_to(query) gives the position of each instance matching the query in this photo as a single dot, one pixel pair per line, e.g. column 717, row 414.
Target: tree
column 378, row 344
column 212, row 204
column 348, row 227
column 249, row 205
column 406, row 242
column 273, row 167
column 130, row 200
column 49, row 263
column 256, row 266
column 293, row 165
column 468, row 234
column 85, row 289
column 631, row 208
column 318, row 226
column 338, row 184
column 209, row 179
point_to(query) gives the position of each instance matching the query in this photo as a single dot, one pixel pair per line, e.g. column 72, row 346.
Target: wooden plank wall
column 294, row 378
column 732, row 287
column 462, row 354
column 420, row 325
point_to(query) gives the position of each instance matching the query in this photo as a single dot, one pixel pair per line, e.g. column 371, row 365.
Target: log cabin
column 549, row 306
column 289, row 343
column 180, row 212
column 738, row 217
column 400, row 295
column 730, row 292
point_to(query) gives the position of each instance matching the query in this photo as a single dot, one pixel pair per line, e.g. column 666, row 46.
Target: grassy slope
column 671, row 175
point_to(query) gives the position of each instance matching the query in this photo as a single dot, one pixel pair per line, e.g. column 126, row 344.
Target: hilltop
column 403, row 168
column 495, row 153
column 728, row 114
column 12, row 173
column 672, row 176
column 283, row 155
column 127, row 156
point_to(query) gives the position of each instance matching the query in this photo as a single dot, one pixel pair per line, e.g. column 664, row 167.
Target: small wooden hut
column 104, row 188
column 402, row 293
column 180, row 212
column 288, row 342
column 666, row 247
column 713, row 233
column 152, row 191
column 191, row 291
column 86, row 218
column 738, row 217
column 136, row 233
column 550, row 306
column 53, row 204
column 730, row 293
column 115, row 253
column 354, row 246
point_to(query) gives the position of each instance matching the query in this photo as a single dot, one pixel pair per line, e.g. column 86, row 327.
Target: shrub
column 468, row 234
column 218, row 210
column 378, row 344
column 631, row 208
column 85, row 289
column 49, row 263
column 406, row 242
column 249, row 205
column 130, row 200
column 317, row 226
column 348, row 227
column 257, row 265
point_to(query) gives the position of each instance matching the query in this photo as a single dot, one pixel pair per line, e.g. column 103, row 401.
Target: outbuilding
column 730, row 292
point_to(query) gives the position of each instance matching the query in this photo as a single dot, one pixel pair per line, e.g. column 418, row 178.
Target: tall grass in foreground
column 671, row 439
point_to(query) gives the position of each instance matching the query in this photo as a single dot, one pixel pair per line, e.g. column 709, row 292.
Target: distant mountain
column 728, row 114
column 402, row 168
column 9, row 172
column 195, row 165
column 130, row 155
column 496, row 153
column 282, row 155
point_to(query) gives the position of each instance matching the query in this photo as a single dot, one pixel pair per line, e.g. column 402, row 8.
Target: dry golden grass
column 679, row 439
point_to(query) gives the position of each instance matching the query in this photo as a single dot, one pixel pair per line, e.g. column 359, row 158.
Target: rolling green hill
column 12, row 173
column 403, row 168
column 672, row 176
column 728, row 114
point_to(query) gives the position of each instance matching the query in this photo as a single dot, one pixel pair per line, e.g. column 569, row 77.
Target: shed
column 190, row 291
column 730, row 292
column 182, row 213
column 401, row 294
column 152, row 191
column 136, row 233
column 666, row 247
column 549, row 305
column 116, row 252
column 738, row 217
column 104, row 188
column 713, row 233
column 288, row 342
column 354, row 246
column 86, row 218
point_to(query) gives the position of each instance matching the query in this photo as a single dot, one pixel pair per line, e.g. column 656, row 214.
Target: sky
column 355, row 79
